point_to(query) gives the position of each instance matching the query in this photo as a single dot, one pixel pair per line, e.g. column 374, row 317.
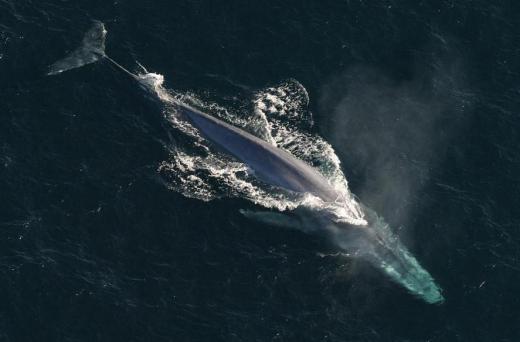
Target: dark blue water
column 420, row 100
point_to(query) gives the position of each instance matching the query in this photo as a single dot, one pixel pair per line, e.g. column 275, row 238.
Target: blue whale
column 371, row 239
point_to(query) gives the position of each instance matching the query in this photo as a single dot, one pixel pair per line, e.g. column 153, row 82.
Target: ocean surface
column 118, row 224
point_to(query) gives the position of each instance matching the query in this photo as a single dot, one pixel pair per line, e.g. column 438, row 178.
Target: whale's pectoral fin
column 272, row 218
column 91, row 50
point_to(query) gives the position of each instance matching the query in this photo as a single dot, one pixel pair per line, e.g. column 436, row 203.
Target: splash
column 278, row 115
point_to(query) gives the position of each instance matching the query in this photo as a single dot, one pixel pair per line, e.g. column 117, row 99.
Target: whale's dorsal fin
column 91, row 50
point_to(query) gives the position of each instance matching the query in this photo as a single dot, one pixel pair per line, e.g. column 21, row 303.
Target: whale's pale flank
column 369, row 237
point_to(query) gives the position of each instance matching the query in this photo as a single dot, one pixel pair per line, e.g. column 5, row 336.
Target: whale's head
column 376, row 243
column 371, row 240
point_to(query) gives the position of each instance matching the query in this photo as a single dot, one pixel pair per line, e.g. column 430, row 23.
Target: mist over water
column 393, row 133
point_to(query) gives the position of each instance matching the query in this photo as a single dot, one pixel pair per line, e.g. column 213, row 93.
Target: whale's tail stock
column 91, row 50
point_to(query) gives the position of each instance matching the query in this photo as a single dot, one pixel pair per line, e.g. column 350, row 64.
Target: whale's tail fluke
column 91, row 50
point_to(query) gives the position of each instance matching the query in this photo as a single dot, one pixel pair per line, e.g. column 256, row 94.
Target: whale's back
column 270, row 164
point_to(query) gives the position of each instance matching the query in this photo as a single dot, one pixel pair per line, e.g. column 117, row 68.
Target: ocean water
column 118, row 223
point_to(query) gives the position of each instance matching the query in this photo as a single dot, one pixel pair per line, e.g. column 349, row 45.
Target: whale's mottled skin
column 269, row 163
